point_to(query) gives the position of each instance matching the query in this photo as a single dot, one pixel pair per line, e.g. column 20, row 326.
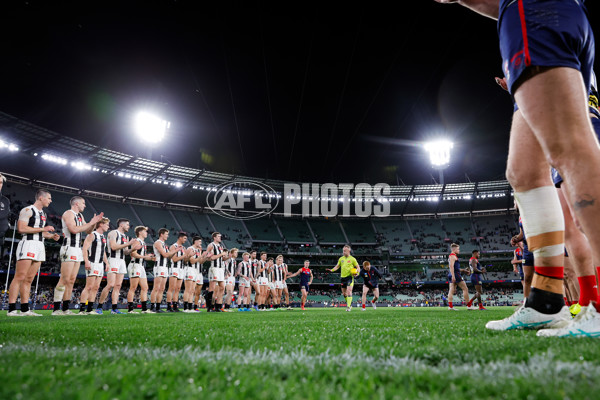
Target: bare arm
column 451, row 266
column 296, row 273
column 69, row 219
column 23, row 228
column 86, row 246
column 335, row 268
column 311, row 279
column 487, row 8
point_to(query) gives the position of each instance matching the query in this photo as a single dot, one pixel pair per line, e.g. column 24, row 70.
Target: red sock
column 364, row 306
column 450, row 304
column 470, row 303
column 480, row 306
column 588, row 290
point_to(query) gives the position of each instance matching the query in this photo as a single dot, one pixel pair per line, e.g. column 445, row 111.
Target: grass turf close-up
column 315, row 354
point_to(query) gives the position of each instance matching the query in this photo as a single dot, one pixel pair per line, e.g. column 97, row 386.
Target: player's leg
column 478, row 293
column 304, row 296
column 85, row 293
column 25, row 288
column 349, row 295
column 580, row 253
column 117, row 292
column 14, row 288
column 463, row 285
column 364, row 296
column 286, row 294
column 133, row 284
column 228, row 295
column 144, row 294
column 177, row 293
column 451, row 296
column 170, row 291
column 70, row 282
column 543, row 223
column 375, row 297
column 64, row 287
column 110, row 283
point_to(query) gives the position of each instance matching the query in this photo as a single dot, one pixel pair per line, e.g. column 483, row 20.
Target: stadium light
column 439, row 152
column 150, row 128
column 439, row 155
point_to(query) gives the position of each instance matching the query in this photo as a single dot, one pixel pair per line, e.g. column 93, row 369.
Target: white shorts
column 136, row 271
column 218, row 275
column 116, row 266
column 190, row 273
column 284, row 285
column 230, row 281
column 199, row 279
column 278, row 285
column 244, row 283
column 176, row 272
column 271, row 286
column 70, row 254
column 263, row 282
column 31, row 250
column 161, row 272
column 97, row 270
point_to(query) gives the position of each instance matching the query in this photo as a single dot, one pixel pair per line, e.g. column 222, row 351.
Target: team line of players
column 103, row 251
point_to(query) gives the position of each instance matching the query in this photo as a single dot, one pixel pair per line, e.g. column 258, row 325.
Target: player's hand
column 453, row 280
column 97, row 218
column 56, row 237
column 515, row 270
column 88, row 265
column 48, row 228
column 502, row 83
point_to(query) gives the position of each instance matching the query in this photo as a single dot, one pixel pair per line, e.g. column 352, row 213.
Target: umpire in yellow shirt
column 347, row 263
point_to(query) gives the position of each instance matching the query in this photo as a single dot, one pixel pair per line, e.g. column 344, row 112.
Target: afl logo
column 242, row 200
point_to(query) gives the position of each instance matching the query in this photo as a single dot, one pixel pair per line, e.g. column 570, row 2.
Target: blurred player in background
column 455, row 278
column 477, row 272
column 306, row 278
column 371, row 276
column 96, row 262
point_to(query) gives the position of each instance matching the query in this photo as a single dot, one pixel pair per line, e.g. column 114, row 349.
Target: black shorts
column 371, row 286
column 347, row 281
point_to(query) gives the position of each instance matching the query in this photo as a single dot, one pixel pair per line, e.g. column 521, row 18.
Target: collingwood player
column 118, row 247
column 30, row 252
column 244, row 271
column 137, row 271
column 230, row 274
column 71, row 256
column 216, row 273
column 193, row 260
column 161, row 271
column 263, row 281
column 176, row 273
column 95, row 260
column 271, row 288
column 285, row 291
column 255, row 284
column 278, row 277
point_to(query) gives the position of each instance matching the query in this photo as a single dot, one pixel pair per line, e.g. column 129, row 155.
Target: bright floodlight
column 439, row 152
column 151, row 128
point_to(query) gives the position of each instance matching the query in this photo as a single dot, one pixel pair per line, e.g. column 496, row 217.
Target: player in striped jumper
column 71, row 256
column 30, row 252
column 137, row 271
column 95, row 261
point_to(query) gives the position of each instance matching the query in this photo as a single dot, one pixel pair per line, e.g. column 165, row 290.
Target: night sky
column 322, row 91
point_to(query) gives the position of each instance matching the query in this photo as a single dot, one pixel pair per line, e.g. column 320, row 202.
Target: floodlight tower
column 439, row 155
column 150, row 128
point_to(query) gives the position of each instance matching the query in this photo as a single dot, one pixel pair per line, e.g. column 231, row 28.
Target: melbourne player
column 176, row 273
column 547, row 62
column 346, row 263
column 95, row 261
column 455, row 278
column 118, row 247
column 371, row 276
column 306, row 278
column 517, row 263
column 71, row 256
column 477, row 272
column 30, row 252
column 137, row 271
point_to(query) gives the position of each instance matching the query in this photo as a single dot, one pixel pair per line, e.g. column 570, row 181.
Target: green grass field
column 317, row 354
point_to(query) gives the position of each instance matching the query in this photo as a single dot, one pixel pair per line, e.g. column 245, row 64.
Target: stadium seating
column 395, row 234
column 359, row 231
column 295, row 230
column 429, row 235
column 263, row 229
column 157, row 218
column 459, row 230
column 327, row 231
column 495, row 231
column 233, row 231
